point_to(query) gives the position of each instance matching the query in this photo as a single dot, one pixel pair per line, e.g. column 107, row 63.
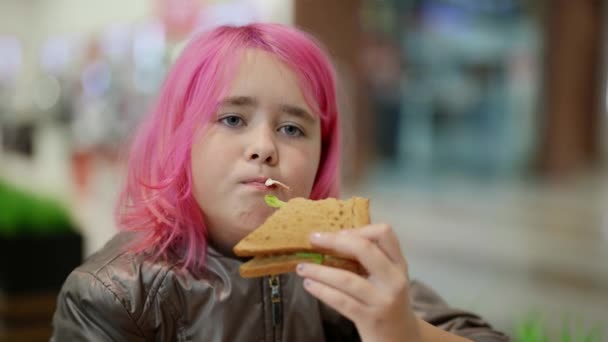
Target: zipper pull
column 275, row 298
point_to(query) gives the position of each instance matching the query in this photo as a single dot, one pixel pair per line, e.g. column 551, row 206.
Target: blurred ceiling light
column 96, row 79
column 149, row 45
column 149, row 51
column 55, row 55
column 11, row 57
column 116, row 42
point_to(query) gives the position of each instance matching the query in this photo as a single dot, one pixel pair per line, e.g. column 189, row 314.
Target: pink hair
column 157, row 197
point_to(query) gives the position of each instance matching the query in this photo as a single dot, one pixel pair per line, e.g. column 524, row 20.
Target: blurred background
column 476, row 127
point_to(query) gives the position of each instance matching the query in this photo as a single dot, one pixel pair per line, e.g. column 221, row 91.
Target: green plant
column 533, row 329
column 22, row 213
column 579, row 334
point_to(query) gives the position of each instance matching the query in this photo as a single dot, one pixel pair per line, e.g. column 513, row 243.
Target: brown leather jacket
column 121, row 296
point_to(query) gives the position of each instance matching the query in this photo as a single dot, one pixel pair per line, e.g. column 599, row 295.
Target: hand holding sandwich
column 378, row 304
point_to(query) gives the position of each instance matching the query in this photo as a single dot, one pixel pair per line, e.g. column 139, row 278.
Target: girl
column 241, row 105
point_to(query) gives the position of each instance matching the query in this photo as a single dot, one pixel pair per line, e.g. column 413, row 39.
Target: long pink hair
column 157, row 197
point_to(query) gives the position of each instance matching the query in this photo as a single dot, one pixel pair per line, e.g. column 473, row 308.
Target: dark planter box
column 37, row 263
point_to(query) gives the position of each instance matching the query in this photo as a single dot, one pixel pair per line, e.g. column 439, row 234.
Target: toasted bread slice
column 288, row 229
column 270, row 265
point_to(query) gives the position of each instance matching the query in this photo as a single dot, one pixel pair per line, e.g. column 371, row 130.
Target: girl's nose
column 262, row 148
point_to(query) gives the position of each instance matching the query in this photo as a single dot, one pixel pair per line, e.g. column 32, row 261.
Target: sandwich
column 282, row 241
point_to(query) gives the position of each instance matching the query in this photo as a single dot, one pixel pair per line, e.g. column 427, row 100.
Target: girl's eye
column 291, row 130
column 232, row 121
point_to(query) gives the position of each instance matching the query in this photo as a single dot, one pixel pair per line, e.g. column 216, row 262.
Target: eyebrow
column 297, row 111
column 248, row 101
column 239, row 101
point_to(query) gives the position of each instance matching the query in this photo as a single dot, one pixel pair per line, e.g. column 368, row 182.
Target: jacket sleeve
column 430, row 307
column 89, row 310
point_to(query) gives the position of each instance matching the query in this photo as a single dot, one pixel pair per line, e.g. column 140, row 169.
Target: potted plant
column 39, row 245
column 38, row 249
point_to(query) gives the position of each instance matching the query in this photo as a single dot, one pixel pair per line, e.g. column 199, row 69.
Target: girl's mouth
column 261, row 186
column 273, row 183
column 265, row 184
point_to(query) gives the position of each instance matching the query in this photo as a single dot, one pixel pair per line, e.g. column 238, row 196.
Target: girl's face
column 263, row 129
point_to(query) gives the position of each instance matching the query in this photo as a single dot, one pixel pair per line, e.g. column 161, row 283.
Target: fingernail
column 316, row 236
column 300, row 268
column 307, row 283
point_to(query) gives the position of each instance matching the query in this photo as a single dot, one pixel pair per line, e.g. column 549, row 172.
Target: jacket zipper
column 275, row 298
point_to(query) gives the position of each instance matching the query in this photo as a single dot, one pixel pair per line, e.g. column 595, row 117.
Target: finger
column 369, row 255
column 349, row 283
column 384, row 236
column 344, row 304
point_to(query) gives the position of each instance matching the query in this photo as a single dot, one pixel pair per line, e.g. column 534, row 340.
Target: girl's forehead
column 256, row 68
column 264, row 76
